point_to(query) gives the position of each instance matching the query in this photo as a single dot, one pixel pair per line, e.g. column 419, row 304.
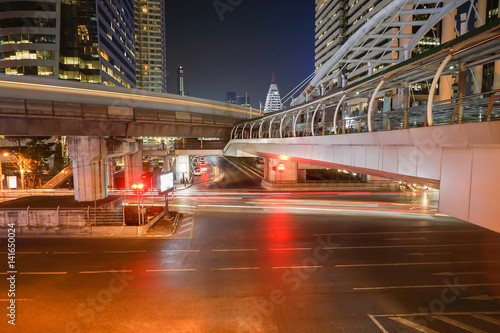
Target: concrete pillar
column 133, row 168
column 448, row 33
column 288, row 176
column 89, row 167
column 182, row 167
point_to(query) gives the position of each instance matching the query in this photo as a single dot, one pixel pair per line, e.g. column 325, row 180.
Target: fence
column 69, row 217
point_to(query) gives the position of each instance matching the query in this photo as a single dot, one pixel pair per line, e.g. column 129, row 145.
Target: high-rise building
column 29, row 37
column 231, row 97
column 338, row 20
column 151, row 69
column 83, row 40
column 97, row 42
column 273, row 99
column 180, row 81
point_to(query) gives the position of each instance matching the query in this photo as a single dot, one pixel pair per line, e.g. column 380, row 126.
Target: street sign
column 12, row 181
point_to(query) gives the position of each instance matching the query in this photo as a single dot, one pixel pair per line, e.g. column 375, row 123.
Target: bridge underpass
column 452, row 144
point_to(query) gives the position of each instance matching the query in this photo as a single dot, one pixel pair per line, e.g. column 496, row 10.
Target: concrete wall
column 463, row 160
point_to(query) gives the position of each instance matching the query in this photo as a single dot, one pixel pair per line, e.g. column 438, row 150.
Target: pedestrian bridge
column 451, row 144
column 34, row 106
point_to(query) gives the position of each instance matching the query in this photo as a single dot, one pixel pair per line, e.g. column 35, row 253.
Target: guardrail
column 333, row 119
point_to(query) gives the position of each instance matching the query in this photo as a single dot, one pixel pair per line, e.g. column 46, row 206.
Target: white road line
column 419, row 263
column 71, row 252
column 186, row 225
column 460, row 273
column 411, row 324
column 291, row 249
column 43, row 273
column 426, row 286
column 398, row 232
column 421, row 254
column 401, row 246
column 124, row 252
column 233, row 250
column 234, row 268
column 180, row 250
column 296, row 267
column 458, row 324
column 21, row 253
column 405, row 239
column 17, row 299
column 377, row 323
column 171, row 270
column 182, row 232
column 109, row 271
column 488, row 319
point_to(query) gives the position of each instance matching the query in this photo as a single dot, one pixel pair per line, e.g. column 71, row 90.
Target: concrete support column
column 89, row 167
column 289, row 175
column 133, row 168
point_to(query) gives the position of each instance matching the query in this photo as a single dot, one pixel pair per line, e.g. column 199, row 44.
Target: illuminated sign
column 12, row 181
column 166, row 182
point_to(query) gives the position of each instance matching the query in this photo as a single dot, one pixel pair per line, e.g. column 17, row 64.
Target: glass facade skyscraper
column 83, row 40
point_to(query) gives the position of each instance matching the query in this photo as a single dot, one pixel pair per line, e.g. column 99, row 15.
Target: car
column 204, row 168
column 196, row 172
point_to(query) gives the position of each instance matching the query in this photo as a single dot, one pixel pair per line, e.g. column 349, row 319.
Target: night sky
column 241, row 52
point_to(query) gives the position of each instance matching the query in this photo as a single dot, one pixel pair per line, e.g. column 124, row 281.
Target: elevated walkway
column 59, row 179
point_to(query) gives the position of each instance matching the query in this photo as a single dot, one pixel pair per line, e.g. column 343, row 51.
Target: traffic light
column 281, row 167
column 138, row 188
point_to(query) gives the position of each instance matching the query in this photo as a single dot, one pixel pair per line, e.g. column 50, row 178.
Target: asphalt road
column 268, row 262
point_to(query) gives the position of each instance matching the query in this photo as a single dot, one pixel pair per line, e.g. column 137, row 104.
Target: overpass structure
column 452, row 144
column 45, row 107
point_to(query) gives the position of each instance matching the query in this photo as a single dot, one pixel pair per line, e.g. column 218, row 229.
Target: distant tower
column 273, row 99
column 180, row 81
column 231, row 97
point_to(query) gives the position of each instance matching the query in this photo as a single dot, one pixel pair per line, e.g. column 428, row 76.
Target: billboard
column 166, row 182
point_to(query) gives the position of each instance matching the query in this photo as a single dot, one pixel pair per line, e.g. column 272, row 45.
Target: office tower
column 231, row 97
column 151, row 69
column 273, row 99
column 89, row 41
column 180, row 81
column 29, row 37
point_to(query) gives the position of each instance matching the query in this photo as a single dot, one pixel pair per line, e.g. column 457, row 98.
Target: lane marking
column 17, row 299
column 43, row 273
column 419, row 263
column 482, row 298
column 183, row 232
column 296, row 267
column 411, row 324
column 421, row 254
column 459, row 273
column 377, row 323
column 402, row 246
column 458, row 324
column 171, row 270
column 291, row 249
column 124, row 252
column 109, row 271
column 405, row 239
column 427, row 286
column 21, row 253
column 234, row 250
column 71, row 252
column 234, row 268
column 397, row 232
column 180, row 250
column 487, row 318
